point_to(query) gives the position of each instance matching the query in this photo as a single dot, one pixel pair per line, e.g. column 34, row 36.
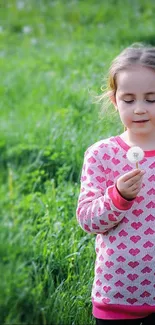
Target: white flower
column 27, row 29
column 33, row 41
column 20, row 5
column 135, row 154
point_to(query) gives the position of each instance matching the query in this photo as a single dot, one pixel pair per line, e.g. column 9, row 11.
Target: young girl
column 117, row 200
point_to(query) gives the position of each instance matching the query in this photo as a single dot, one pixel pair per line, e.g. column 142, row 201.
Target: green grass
column 53, row 56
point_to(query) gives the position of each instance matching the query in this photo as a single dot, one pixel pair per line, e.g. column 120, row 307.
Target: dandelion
column 27, row 29
column 20, row 5
column 135, row 154
column 33, row 41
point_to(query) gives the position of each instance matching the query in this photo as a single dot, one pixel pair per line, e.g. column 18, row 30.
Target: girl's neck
column 146, row 143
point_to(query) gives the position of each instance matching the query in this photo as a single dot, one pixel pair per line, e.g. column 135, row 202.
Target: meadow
column 54, row 57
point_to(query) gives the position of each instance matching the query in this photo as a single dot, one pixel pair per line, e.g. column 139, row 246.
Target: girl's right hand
column 130, row 184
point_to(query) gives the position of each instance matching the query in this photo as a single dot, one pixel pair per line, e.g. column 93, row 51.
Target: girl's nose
column 139, row 109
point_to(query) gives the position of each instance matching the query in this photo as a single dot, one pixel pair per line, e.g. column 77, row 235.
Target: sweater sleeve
column 100, row 207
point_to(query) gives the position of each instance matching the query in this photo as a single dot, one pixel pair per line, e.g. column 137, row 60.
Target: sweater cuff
column 118, row 201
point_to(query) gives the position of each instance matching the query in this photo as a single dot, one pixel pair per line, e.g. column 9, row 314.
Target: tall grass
column 53, row 56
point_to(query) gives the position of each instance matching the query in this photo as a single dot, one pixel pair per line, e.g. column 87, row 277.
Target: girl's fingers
column 133, row 180
column 130, row 184
column 131, row 174
column 136, row 186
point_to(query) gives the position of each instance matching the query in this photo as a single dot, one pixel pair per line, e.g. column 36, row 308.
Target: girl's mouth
column 143, row 121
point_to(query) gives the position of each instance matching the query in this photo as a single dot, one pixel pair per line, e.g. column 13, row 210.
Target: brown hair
column 137, row 53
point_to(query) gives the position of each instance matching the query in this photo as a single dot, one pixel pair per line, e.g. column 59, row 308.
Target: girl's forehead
column 137, row 78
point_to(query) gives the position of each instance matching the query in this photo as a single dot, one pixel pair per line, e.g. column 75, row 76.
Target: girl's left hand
column 130, row 183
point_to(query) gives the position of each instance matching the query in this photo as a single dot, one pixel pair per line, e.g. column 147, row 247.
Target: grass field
column 54, row 57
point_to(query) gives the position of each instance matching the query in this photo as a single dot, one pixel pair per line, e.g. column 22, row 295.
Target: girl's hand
column 130, row 184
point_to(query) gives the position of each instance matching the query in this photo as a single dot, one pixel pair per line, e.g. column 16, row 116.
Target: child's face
column 135, row 99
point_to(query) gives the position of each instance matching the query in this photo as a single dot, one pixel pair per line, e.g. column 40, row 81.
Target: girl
column 117, row 200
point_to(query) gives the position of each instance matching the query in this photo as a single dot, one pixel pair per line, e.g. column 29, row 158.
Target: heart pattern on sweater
column 125, row 245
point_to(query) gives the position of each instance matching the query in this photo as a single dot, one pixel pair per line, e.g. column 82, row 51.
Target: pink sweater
column 124, row 282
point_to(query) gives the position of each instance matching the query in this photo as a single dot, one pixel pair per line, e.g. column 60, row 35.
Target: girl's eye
column 128, row 101
column 131, row 101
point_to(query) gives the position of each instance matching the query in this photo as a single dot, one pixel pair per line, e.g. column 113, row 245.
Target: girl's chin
column 139, row 131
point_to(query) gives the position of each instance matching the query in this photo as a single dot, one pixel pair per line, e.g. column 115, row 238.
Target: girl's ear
column 113, row 100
